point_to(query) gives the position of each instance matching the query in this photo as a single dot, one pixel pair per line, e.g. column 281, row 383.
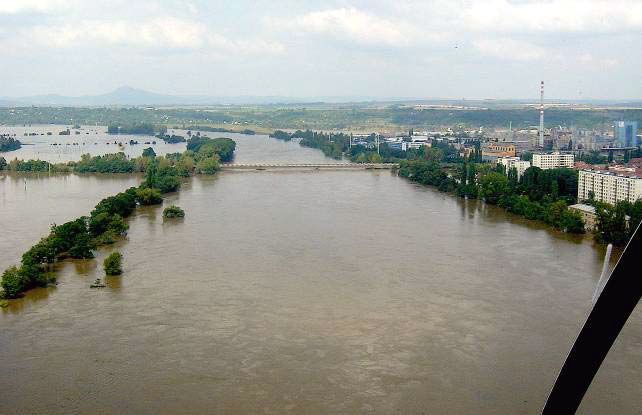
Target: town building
column 397, row 145
column 625, row 134
column 553, row 160
column 493, row 151
column 609, row 187
column 419, row 141
column 516, row 163
column 587, row 212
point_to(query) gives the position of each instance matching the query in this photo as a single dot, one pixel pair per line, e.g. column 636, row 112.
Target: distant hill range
column 128, row 96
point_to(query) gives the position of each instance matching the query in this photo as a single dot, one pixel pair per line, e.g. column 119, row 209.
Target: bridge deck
column 319, row 166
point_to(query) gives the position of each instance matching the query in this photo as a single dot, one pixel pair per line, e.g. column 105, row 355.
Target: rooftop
column 632, row 175
column 583, row 207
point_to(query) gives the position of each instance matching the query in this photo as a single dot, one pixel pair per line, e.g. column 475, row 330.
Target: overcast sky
column 299, row 48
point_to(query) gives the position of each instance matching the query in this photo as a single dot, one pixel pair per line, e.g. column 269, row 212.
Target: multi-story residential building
column 553, row 160
column 609, row 187
column 514, row 162
column 625, row 133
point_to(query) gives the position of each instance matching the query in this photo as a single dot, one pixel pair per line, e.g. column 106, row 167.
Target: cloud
column 605, row 63
column 349, row 24
column 32, row 6
column 554, row 16
column 245, row 46
column 509, row 49
column 156, row 34
column 161, row 32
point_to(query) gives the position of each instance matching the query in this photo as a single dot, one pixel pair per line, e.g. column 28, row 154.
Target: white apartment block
column 608, row 187
column 553, row 161
column 514, row 162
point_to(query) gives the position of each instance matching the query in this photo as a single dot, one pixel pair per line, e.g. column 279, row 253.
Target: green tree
column 554, row 213
column 108, row 163
column 12, row 283
column 208, row 165
column 611, row 223
column 149, row 152
column 173, row 211
column 113, row 264
column 151, row 174
column 571, row 222
column 513, row 180
column 433, row 154
column 82, row 247
column 185, row 166
column 493, row 186
column 147, row 196
column 168, row 183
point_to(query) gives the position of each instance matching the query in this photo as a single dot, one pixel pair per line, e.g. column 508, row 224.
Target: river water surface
column 302, row 292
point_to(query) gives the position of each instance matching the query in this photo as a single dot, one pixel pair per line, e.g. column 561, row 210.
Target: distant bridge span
column 312, row 166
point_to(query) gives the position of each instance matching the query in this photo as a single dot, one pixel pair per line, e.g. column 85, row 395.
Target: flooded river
column 302, row 292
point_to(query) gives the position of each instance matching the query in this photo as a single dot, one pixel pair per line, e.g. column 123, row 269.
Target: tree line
column 539, row 195
column 9, row 144
column 616, row 224
column 331, row 144
column 203, row 156
column 134, row 128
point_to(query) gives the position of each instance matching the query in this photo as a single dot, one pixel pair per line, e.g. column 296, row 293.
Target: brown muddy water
column 302, row 292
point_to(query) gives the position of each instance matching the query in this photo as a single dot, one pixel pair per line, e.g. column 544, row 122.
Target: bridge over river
column 312, row 166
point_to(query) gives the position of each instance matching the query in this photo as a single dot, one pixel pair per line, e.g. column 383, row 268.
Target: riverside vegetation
column 106, row 223
column 542, row 195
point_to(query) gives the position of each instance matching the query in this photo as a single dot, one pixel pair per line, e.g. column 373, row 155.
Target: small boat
column 97, row 284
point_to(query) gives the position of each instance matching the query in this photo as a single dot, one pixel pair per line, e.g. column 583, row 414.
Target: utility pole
column 377, row 141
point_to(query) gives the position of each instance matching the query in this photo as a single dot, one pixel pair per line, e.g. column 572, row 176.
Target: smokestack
column 541, row 116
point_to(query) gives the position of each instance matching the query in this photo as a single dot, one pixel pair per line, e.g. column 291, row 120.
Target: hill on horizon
column 129, row 96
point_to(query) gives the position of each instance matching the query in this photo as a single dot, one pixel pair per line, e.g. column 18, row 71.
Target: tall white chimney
column 541, row 116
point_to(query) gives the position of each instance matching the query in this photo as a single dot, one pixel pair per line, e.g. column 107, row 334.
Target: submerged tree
column 113, row 264
column 173, row 211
